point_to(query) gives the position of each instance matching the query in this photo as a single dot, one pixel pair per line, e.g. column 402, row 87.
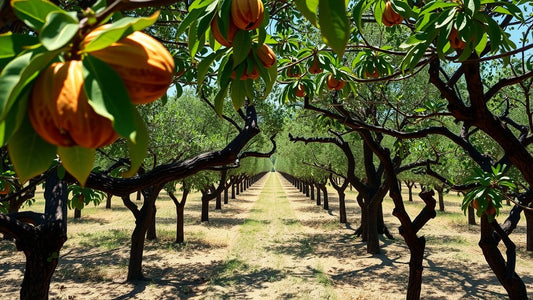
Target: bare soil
column 271, row 242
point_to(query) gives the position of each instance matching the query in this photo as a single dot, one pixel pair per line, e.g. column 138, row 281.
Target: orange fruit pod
column 334, row 84
column 247, row 14
column 390, row 17
column 455, row 40
column 315, row 67
column 219, row 37
column 144, row 64
column 374, row 74
column 59, row 110
column 266, row 55
column 300, row 90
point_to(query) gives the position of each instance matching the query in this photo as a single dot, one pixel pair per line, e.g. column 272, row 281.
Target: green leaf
column 445, row 18
column 108, row 96
column 482, row 44
column 334, row 24
column 118, row 30
column 273, row 74
column 58, row 30
column 194, row 42
column 99, row 6
column 18, row 74
column 379, row 7
column 205, row 20
column 33, row 12
column 137, row 150
column 29, row 153
column 241, row 46
column 12, row 44
column 203, row 66
column 15, row 117
column 237, row 93
column 358, row 10
column 308, row 8
column 219, row 99
column 196, row 11
column 78, row 161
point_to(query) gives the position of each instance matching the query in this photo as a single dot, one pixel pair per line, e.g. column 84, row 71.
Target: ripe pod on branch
column 293, row 71
column 145, row 65
column 60, row 112
column 455, row 40
column 390, row 17
column 247, row 14
column 373, row 74
column 266, row 56
column 300, row 90
column 334, row 84
column 252, row 73
column 315, row 66
column 219, row 37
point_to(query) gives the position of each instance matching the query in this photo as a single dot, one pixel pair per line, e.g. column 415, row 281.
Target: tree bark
column 372, row 242
column 136, row 252
column 151, row 233
column 143, row 220
column 410, row 185
column 326, row 197
column 42, row 244
column 529, row 229
column 180, row 208
column 471, row 216
column 77, row 213
column 218, row 202
column 205, row 210
column 318, row 199
column 226, row 192
column 440, row 192
column 108, row 201
column 342, row 207
column 503, row 270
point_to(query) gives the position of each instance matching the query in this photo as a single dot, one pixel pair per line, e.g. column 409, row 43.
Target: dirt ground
column 270, row 243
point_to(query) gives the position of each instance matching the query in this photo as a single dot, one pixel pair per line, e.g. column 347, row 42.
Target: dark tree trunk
column 218, row 201
column 151, row 233
column 42, row 245
column 410, row 185
column 180, row 207
column 440, row 192
column 108, row 201
column 136, row 252
column 307, row 189
column 503, row 270
column 342, row 207
column 232, row 191
column 138, row 198
column 312, row 188
column 372, row 242
column 529, row 229
column 77, row 213
column 226, row 192
column 326, row 198
column 237, row 188
column 471, row 216
column 143, row 220
column 318, row 199
column 205, row 210
column 363, row 228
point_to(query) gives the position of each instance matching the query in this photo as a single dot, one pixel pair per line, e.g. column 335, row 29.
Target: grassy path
column 271, row 258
